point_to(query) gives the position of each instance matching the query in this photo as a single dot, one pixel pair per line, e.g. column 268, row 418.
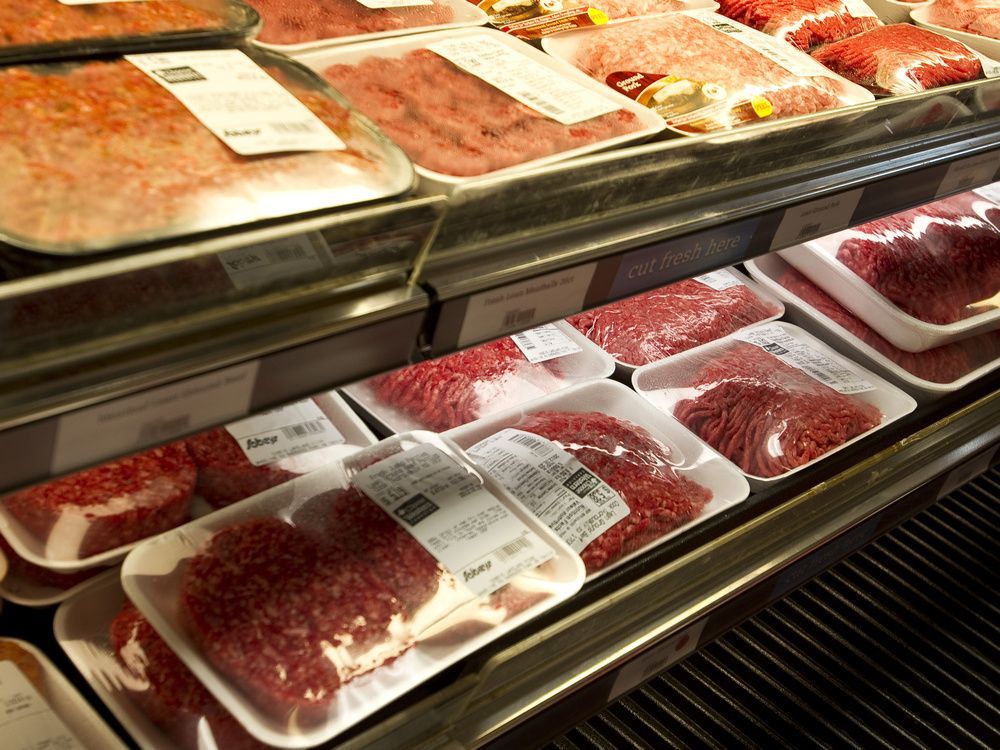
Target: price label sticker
column 966, row 472
column 719, row 280
column 656, row 659
column 283, row 432
column 544, row 343
column 816, row 218
column 966, row 174
column 26, row 719
column 276, row 260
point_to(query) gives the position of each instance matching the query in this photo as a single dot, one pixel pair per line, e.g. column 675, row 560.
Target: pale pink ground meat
column 298, row 21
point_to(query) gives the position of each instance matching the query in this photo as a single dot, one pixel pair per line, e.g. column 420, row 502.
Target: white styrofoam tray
column 438, row 182
column 591, row 363
column 818, row 261
column 767, row 269
column 893, row 11
column 152, row 577
column 19, row 589
column 663, row 385
column 986, row 45
column 691, row 457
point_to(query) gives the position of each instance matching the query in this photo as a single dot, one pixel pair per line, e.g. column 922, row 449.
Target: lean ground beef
column 683, row 47
column 113, row 504
column 169, row 694
column 658, row 324
column 99, row 151
column 635, row 8
column 974, row 16
column 943, row 364
column 452, row 122
column 768, row 417
column 933, row 261
column 40, row 576
column 636, row 466
column 900, row 59
column 802, row 23
column 298, row 21
column 288, row 617
column 225, row 474
column 450, row 391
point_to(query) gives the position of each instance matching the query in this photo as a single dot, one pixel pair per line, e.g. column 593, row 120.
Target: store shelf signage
column 973, row 172
column 816, row 218
column 657, row 659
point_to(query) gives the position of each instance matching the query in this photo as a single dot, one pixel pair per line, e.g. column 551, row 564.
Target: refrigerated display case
column 123, row 352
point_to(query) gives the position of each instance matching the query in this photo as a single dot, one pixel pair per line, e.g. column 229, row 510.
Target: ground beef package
column 980, row 17
column 310, row 606
column 658, row 324
column 805, row 24
column 901, row 59
column 533, row 19
column 703, row 72
column 32, row 585
column 47, row 29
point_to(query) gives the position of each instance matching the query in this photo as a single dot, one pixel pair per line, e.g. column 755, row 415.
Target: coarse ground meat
column 634, row 8
column 974, row 16
column 932, row 262
column 225, row 474
column 658, row 324
column 287, row 617
column 943, row 364
column 27, row 22
column 634, row 464
column 900, row 59
column 40, row 576
column 98, row 153
column 298, row 21
column 450, row 391
column 113, row 504
column 453, row 122
column 768, row 417
column 170, row 695
column 802, row 23
column 683, row 47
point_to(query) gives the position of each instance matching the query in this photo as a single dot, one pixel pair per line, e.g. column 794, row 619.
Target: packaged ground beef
column 981, row 17
column 534, row 19
column 97, row 155
column 658, row 324
column 32, row 585
column 47, row 29
column 804, row 24
column 900, row 59
column 702, row 72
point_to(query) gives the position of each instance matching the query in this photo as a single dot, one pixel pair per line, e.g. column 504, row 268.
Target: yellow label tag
column 599, row 17
column 761, row 106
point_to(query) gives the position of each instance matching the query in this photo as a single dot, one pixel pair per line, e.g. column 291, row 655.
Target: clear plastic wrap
column 450, row 391
column 667, row 479
column 308, row 607
column 804, row 24
column 658, row 324
column 703, row 72
column 773, row 403
column 32, row 585
column 48, row 29
column 981, row 17
column 97, row 155
column 84, row 519
column 900, row 59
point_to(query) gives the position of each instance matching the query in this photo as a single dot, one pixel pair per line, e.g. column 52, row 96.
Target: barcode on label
column 545, row 104
column 286, row 254
column 810, row 229
column 513, row 549
column 525, row 342
column 303, row 429
column 527, row 440
column 518, row 317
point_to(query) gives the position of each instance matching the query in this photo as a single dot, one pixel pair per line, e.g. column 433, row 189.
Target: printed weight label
column 819, row 366
column 287, row 431
column 266, row 262
column 719, row 280
column 238, row 101
column 544, row 343
column 524, row 79
column 562, row 492
column 451, row 514
column 26, row 719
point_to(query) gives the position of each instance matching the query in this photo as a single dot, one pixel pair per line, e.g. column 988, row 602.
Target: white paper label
column 266, row 262
column 991, row 68
column 565, row 495
column 286, row 431
column 859, row 9
column 97, row 2
column 378, row 4
column 970, row 173
column 154, row 416
column 238, row 101
column 454, row 518
column 524, row 79
column 512, row 307
column 776, row 50
column 990, row 192
column 544, row 343
column 816, row 218
column 719, row 280
column 819, row 366
column 26, row 721
column 657, row 659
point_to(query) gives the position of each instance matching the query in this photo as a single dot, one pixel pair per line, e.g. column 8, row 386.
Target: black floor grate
column 895, row 647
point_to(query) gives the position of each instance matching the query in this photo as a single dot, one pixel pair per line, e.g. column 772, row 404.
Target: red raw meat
column 298, row 21
column 932, row 262
column 802, row 23
column 666, row 321
column 900, row 59
column 287, row 617
column 43, row 576
column 225, row 474
column 452, row 122
column 634, row 464
column 171, row 696
column 974, row 16
column 943, row 364
column 450, row 391
column 113, row 504
column 766, row 416
column 681, row 46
